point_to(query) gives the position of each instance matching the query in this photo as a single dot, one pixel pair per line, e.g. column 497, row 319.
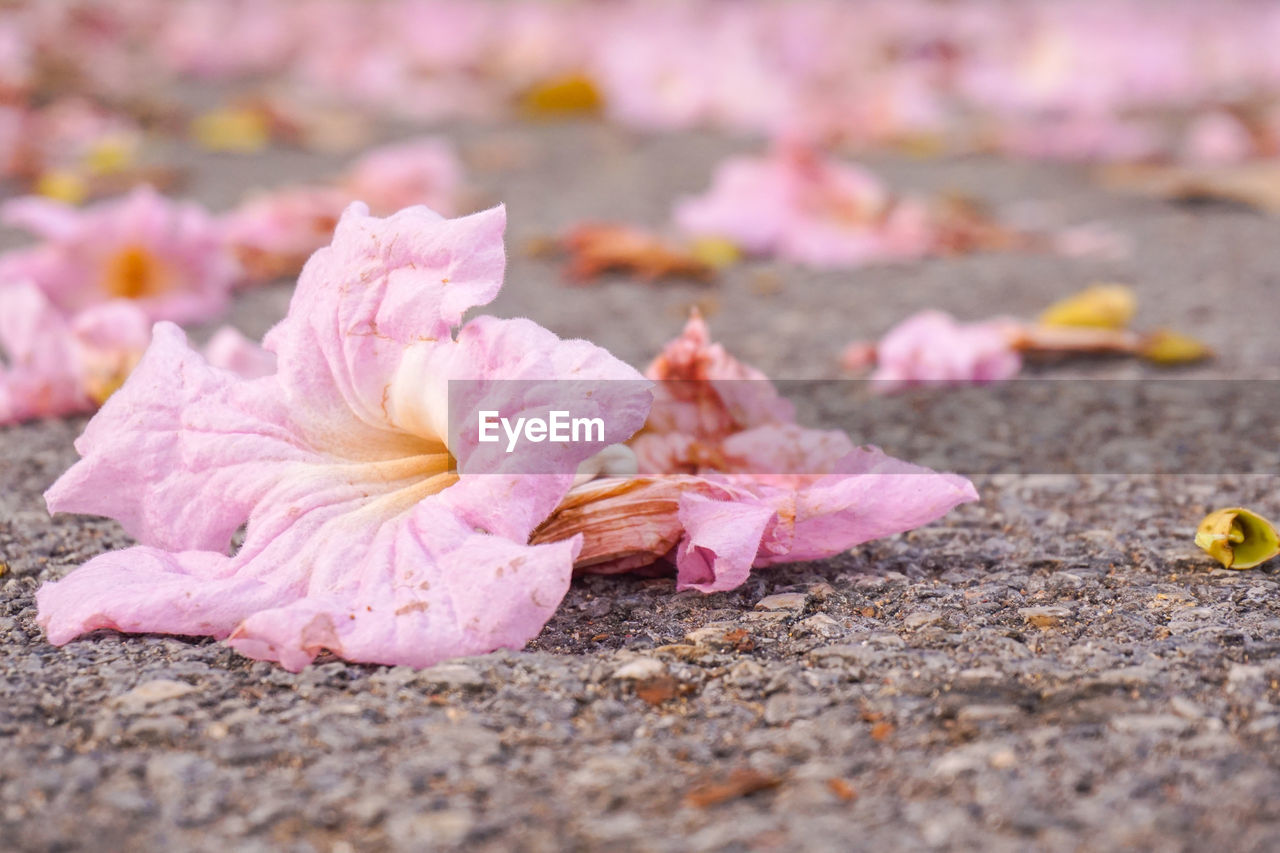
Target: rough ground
column 1053, row 668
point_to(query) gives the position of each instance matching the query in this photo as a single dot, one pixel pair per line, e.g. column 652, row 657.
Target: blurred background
column 807, row 163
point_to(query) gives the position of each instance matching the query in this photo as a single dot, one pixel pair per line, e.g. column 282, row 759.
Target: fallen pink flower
column 728, row 482
column 362, row 537
column 166, row 257
column 1218, row 138
column 58, row 366
column 273, row 234
column 932, row 348
column 799, row 205
column 44, row 374
column 419, row 171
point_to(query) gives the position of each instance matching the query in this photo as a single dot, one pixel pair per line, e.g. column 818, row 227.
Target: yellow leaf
column 110, row 155
column 1103, row 306
column 234, row 129
column 572, row 94
column 715, row 252
column 62, row 185
column 1165, row 347
column 1237, row 538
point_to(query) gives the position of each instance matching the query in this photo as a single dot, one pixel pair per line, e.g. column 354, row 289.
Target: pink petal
column 382, row 285
column 133, row 466
column 931, row 347
column 230, row 350
column 359, row 539
column 419, row 171
column 721, row 541
column 149, row 590
column 42, row 377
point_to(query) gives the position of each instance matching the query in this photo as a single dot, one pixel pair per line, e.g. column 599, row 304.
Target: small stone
column 450, row 826
column 451, row 675
column 987, row 713
column 845, row 652
column 920, row 618
column 149, row 693
column 785, row 707
column 791, row 602
column 640, row 669
column 716, row 634
column 1045, row 617
column 821, row 591
column 1003, row 759
column 745, row 673
column 1150, row 724
column 822, row 625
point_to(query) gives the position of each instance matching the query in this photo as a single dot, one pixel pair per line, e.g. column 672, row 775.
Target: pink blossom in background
column 362, row 538
column 728, row 482
column 166, row 257
column 931, row 347
column 52, row 365
column 230, row 350
column 1217, row 138
column 798, row 205
column 419, row 171
column 273, row 233
column 1085, row 137
column 41, row 376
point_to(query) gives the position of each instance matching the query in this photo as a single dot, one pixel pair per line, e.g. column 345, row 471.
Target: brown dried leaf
column 739, row 783
column 596, row 249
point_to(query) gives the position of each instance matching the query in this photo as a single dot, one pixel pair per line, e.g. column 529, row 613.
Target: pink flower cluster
column 365, row 539
column 78, row 307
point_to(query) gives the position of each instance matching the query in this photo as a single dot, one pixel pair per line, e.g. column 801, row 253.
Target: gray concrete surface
column 1052, row 668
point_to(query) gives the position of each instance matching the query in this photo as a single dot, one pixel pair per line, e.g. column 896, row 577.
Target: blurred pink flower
column 272, row 234
column 798, row 205
column 362, row 538
column 43, row 375
column 230, row 350
column 728, row 482
column 1217, row 138
column 166, row 257
column 931, row 347
column 419, row 171
column 56, row 365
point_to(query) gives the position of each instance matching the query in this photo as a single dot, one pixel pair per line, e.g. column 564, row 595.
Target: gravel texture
column 1053, row 668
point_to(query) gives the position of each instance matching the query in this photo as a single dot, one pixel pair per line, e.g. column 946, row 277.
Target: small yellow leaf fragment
column 62, row 185
column 715, row 252
column 1237, row 538
column 572, row 94
column 1167, row 347
column 239, row 130
column 4, row 569
column 110, row 155
column 1102, row 306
